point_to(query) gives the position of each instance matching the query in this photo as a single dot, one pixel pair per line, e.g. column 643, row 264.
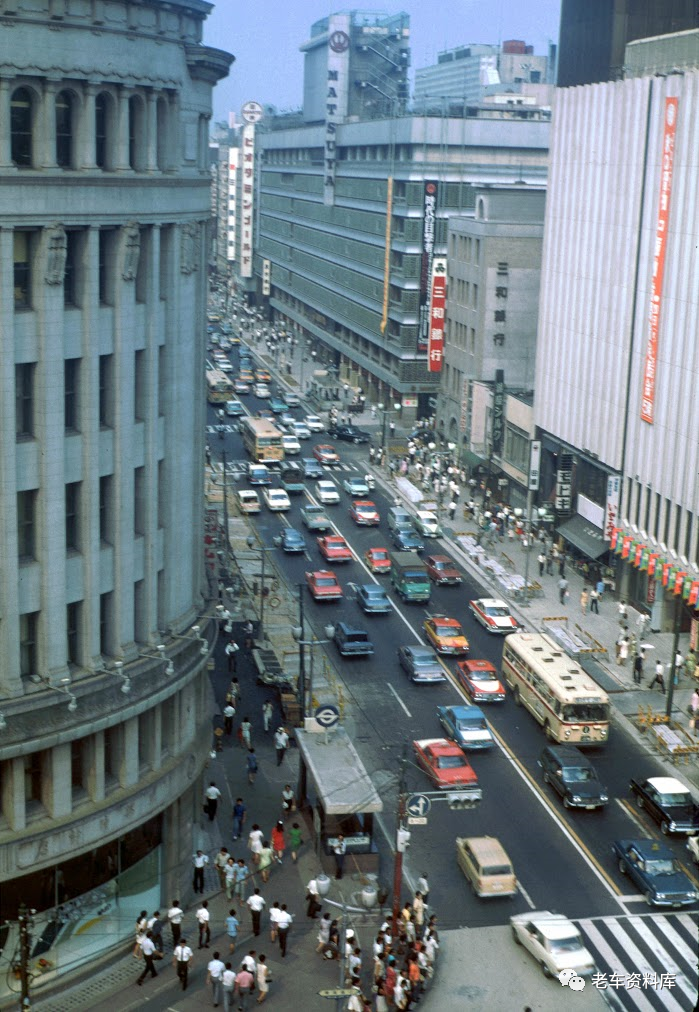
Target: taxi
column 324, row 453
column 262, row 376
column 480, row 679
column 445, row 635
column 378, row 560
column 445, row 764
column 364, row 513
column 334, row 548
column 494, row 615
column 246, row 376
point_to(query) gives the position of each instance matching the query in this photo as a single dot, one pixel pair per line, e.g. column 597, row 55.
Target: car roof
column 550, row 925
column 668, row 785
column 649, row 849
column 326, row 481
column 491, row 602
column 464, row 712
column 440, row 558
column 372, row 588
column 477, row 664
column 438, row 745
column 444, row 620
column 426, row 513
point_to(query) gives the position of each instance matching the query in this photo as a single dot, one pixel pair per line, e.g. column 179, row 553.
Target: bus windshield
column 585, row 712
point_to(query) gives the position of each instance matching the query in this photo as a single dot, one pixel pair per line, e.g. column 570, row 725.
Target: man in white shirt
column 228, row 985
column 255, row 905
column 220, row 862
column 214, row 974
column 174, row 916
column 339, row 850
column 249, row 962
column 182, row 957
column 200, row 861
column 281, row 743
column 228, row 715
column 147, row 948
column 231, row 650
column 284, row 920
column 274, row 912
column 203, row 918
column 212, row 795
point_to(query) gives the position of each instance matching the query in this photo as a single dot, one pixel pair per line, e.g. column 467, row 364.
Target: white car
column 326, row 492
column 314, row 423
column 554, row 942
column 427, row 524
column 223, row 365
column 261, row 390
column 493, row 614
column 301, row 430
column 291, row 444
column 276, row 498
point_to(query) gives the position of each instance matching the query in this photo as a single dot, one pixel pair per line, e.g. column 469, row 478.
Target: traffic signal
column 402, row 840
column 459, row 801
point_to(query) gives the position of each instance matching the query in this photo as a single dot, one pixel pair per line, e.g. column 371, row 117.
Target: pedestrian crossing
column 241, row 466
column 644, row 962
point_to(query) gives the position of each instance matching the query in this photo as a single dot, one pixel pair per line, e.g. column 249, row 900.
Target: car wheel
column 665, row 827
column 515, row 696
column 546, row 969
column 649, row 898
column 639, row 801
column 518, row 940
column 622, row 868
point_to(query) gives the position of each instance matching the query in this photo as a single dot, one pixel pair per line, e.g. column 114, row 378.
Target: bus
column 262, row 440
column 219, row 387
column 565, row 700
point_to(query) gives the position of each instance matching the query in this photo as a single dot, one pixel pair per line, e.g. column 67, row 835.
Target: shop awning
column 342, row 783
column 471, row 460
column 584, row 536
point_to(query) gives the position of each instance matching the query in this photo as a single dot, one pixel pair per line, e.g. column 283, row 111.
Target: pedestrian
column 274, row 911
column 638, row 668
column 255, row 904
column 659, row 676
column 584, row 598
column 246, row 732
column 211, row 800
column 392, row 428
column 228, row 715
column 312, row 899
column 249, row 632
column 155, row 926
column 251, row 765
column 267, row 714
column 229, row 877
column 323, row 935
column 182, row 958
column 220, row 862
column 148, row 950
column 281, row 743
column 228, row 982
column 594, row 601
column 214, row 975
column 231, row 649
column 232, row 926
column 642, row 623
column 623, row 651
column 542, row 563
column 288, row 801
column 241, row 878
column 265, row 860
column 200, row 861
column 452, row 509
column 354, row 967
column 419, row 912
column 174, row 916
column 562, row 590
column 239, row 812
column 284, row 920
column 255, row 837
column 339, row 850
column 244, row 982
column 278, row 842
column 690, row 663
column 204, row 921
column 622, row 612
column 263, row 977
column 295, row 841
column 141, row 928
column 424, row 887
column 371, row 454
column 694, row 709
column 549, row 563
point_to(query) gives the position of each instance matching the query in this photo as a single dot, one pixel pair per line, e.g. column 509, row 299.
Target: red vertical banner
column 438, row 305
column 656, row 288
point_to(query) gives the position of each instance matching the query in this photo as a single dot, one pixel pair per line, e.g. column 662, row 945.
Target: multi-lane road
column 562, row 859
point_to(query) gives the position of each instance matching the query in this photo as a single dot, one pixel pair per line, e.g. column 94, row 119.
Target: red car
column 334, row 548
column 323, row 585
column 480, row 679
column 445, row 763
column 441, row 569
column 364, row 513
column 378, row 560
column 326, row 454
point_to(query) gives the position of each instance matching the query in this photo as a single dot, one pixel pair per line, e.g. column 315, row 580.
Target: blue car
column 406, row 539
column 311, row 468
column 651, row 865
column 277, row 405
column 466, row 725
column 373, row 599
column 293, row 540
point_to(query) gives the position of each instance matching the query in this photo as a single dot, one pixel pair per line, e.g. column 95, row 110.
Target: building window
column 516, row 449
column 166, row 246
column 64, row 130
column 136, row 133
column 106, row 267
column 28, row 625
column 105, row 508
column 162, row 143
column 71, row 394
column 77, row 767
column 22, row 248
column 101, row 128
column 139, row 398
column 70, row 278
column 33, row 780
column 139, row 505
column 142, row 270
column 112, row 755
column 21, row 116
column 73, row 516
column 106, row 392
column 24, row 399
column 106, row 626
column 73, row 617
column 26, row 524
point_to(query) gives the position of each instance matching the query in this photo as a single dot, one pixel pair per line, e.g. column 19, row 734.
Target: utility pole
column 399, row 848
column 24, row 921
column 675, row 648
column 302, row 659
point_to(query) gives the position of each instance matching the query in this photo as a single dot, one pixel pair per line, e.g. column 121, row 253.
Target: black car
column 349, row 434
column 669, row 802
column 573, row 777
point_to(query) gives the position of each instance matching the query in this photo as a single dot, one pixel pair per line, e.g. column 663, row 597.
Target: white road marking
column 523, row 891
column 669, row 964
column 399, row 700
column 612, row 959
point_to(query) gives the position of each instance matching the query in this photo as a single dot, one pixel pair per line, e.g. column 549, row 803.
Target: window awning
column 471, row 459
column 584, row 536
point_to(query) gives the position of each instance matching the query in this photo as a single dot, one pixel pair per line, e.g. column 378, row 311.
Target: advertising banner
column 429, row 218
column 438, row 303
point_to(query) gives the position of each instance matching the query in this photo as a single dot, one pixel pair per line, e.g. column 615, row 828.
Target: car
column 652, row 867
column 573, row 777
column 486, row 866
column 292, row 400
column 292, row 540
column 427, row 524
column 287, row 420
column 245, row 375
column 258, row 474
column 406, row 539
column 554, row 942
column 480, row 679
column 311, row 468
column 373, row 599
column 446, row 765
column 356, row 487
column 248, row 501
column 277, row 405
column 364, row 513
column 323, row 585
column 301, row 430
column 467, row 726
column 445, row 634
column 352, row 642
column 334, row 548
column 326, row 454
column 223, row 365
column 494, row 615
column 265, row 413
column 276, row 499
column 442, row 570
column 420, row 663
column 241, row 387
column 378, row 560
column 669, row 802
column 261, row 390
column 262, row 376
column 349, row 434
column 291, row 477
column 314, row 517
column 326, row 492
column 314, row 423
column 290, row 444
column 234, row 408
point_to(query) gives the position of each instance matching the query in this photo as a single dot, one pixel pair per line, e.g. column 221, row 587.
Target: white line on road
column 399, row 700
column 526, row 895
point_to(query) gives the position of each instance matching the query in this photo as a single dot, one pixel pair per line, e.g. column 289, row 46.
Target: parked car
column 311, row 468
column 467, row 726
column 292, row 540
column 326, row 492
column 669, row 802
column 349, row 434
column 652, row 867
column 553, row 941
column 378, row 560
column 420, row 663
column 373, row 599
column 494, row 615
column 314, row 517
column 573, row 777
column 441, row 570
column 356, row 486
column 480, row 679
column 364, row 513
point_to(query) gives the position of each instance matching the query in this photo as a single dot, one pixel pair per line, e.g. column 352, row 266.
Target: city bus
column 262, row 440
column 219, row 387
column 565, row 700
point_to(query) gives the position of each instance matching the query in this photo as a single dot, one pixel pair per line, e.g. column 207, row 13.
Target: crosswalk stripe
column 669, row 964
column 610, row 957
column 680, row 945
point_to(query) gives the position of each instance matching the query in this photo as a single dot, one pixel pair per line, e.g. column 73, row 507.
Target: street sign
column 338, row 992
column 417, row 820
column 418, row 805
column 327, row 715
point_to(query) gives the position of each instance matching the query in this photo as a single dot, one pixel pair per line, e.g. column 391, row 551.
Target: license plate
column 589, row 807
column 586, row 737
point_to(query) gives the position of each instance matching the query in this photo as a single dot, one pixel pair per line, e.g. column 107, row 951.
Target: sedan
column 277, row 405
column 334, row 548
column 292, row 400
column 276, row 499
column 445, row 764
column 373, row 599
column 241, row 387
column 292, row 540
column 480, row 679
column 356, row 486
column 326, row 492
column 466, row 725
column 652, row 867
column 311, row 468
column 554, row 942
column 669, row 802
column 314, row 517
column 442, row 570
column 407, row 540
column 286, row 419
column 378, row 560
column 445, row 635
column 364, row 513
column 314, row 423
column 350, row 434
column 420, row 663
column 326, row 454
column 493, row 614
column 301, row 430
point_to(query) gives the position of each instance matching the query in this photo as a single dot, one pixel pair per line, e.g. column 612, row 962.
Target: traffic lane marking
column 399, row 700
column 523, row 891
column 652, row 832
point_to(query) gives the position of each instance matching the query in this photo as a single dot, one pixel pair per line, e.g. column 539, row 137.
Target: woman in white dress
column 262, row 975
column 255, row 843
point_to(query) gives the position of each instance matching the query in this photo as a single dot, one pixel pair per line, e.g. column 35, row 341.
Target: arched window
column 21, row 116
column 101, row 126
column 64, row 130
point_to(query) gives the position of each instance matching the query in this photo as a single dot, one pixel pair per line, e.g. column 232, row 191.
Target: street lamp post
column 298, row 633
column 252, row 543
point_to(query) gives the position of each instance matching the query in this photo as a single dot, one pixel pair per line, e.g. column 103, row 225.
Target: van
column 573, row 777
column 486, row 865
column 398, row 516
column 248, row 501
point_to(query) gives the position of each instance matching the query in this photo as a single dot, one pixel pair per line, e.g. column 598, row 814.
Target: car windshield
column 483, row 676
column 660, row 866
column 439, row 565
column 414, row 578
column 314, row 510
column 449, row 631
column 325, row 581
column 380, row 555
column 571, row 944
column 680, row 798
column 579, row 774
column 585, row 711
column 497, row 612
column 450, row 762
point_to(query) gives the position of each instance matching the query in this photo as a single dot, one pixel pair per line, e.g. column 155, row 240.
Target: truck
column 352, row 642
column 409, row 577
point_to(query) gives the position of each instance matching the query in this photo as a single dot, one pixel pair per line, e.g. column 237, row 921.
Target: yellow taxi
column 246, row 376
column 446, row 635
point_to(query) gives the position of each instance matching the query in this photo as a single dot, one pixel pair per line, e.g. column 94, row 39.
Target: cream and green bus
column 262, row 440
column 219, row 388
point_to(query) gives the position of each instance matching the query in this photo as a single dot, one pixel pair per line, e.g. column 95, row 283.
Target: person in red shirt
column 278, row 841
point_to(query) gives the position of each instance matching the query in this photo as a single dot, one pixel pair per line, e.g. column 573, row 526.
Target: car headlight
column 673, row 825
column 661, row 896
column 603, row 797
column 576, row 798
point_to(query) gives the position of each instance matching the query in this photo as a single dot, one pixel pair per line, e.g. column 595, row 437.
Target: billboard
column 247, row 201
column 438, row 302
column 429, row 218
